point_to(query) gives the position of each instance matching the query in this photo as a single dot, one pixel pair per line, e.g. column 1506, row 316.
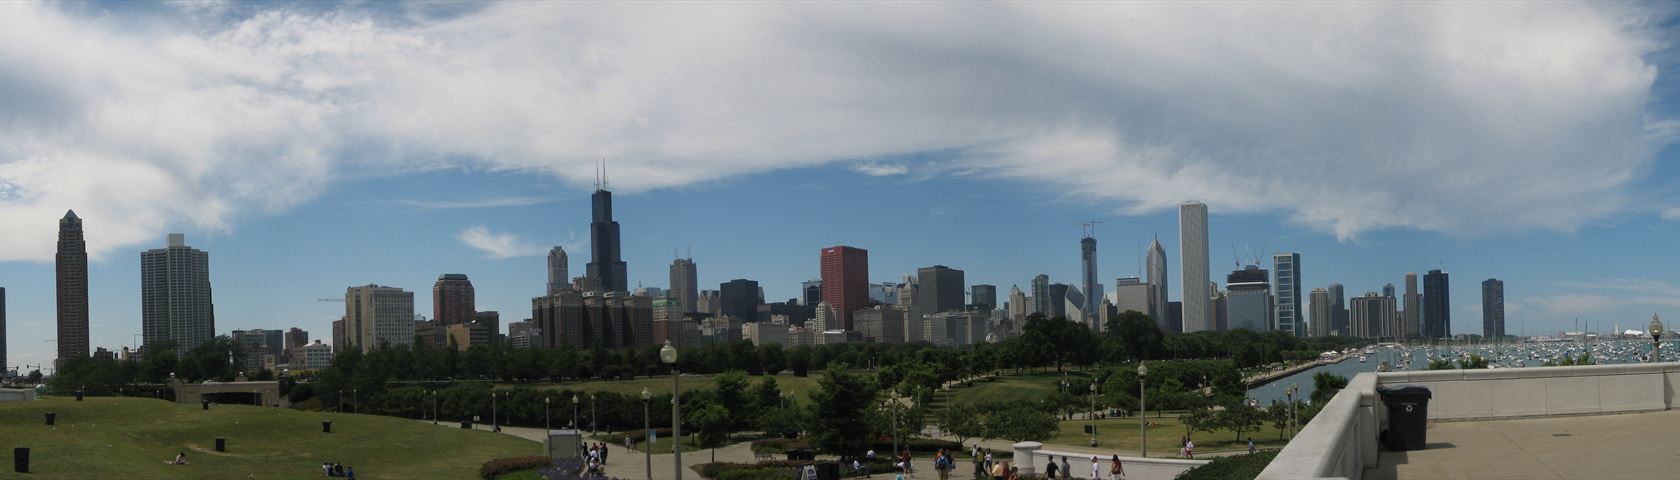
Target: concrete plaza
column 1630, row 445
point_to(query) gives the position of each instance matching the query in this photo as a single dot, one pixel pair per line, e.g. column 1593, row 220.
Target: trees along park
column 1034, row 386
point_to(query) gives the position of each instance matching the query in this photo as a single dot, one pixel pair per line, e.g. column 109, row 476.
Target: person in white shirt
column 1096, row 469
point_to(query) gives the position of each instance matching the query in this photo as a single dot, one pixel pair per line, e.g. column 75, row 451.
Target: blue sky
column 313, row 147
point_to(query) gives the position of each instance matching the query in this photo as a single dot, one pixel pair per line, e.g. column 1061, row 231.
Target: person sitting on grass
column 180, row 459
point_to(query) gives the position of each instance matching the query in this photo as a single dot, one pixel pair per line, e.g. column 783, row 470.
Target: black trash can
column 1408, row 417
column 828, row 471
column 1087, row 429
column 20, row 459
column 326, row 426
column 221, row 444
column 205, row 403
column 78, row 395
column 466, row 424
column 52, row 418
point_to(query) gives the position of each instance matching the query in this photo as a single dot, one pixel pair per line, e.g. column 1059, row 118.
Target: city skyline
column 378, row 194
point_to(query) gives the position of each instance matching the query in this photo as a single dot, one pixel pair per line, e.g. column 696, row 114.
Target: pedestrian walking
column 942, row 465
column 1067, row 471
column 1189, row 449
column 1096, row 468
column 1250, row 445
column 1116, row 471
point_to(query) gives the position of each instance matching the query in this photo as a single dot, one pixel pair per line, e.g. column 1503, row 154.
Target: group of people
column 1116, row 470
column 596, row 463
column 338, row 470
column 1187, row 448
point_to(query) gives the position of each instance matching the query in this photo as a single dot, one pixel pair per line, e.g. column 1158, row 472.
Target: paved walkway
column 1633, row 445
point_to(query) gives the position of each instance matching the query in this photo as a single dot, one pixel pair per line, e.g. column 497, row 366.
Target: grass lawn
column 798, row 386
column 1014, row 388
column 110, row 437
column 1121, row 434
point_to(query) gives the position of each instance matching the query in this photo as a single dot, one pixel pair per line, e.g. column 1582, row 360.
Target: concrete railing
column 1341, row 441
column 1137, row 468
column 16, row 394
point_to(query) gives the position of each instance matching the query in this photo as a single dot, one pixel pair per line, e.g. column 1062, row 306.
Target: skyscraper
column 1372, row 316
column 1388, row 290
column 1057, row 300
column 1320, row 304
column 1088, row 264
column 1437, row 305
column 940, row 289
column 739, row 299
column 1493, row 309
column 1286, row 285
column 3, row 363
column 295, row 338
column 984, row 295
column 1133, row 295
column 685, row 284
column 1157, row 270
column 605, row 264
column 453, row 299
column 810, row 293
column 175, row 299
column 71, row 266
column 1338, row 310
column 1040, row 295
column 845, row 280
column 376, row 315
column 1414, row 314
column 1018, row 307
column 1248, row 300
column 1193, row 265
column 559, row 270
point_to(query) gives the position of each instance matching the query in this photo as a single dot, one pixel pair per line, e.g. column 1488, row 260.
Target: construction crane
column 329, row 300
column 1090, row 227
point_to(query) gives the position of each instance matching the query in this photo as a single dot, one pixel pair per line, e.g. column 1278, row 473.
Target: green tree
column 1138, row 335
column 1325, row 386
column 962, row 420
column 771, row 356
column 1018, row 422
column 1200, row 419
column 1474, row 362
column 712, row 423
column 842, row 401
column 1440, row 364
column 1241, row 418
column 731, row 388
column 1278, row 413
column 799, row 359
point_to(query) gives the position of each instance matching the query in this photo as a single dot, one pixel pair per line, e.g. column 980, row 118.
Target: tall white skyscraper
column 1018, row 307
column 1157, row 279
column 175, row 296
column 558, row 276
column 1193, row 265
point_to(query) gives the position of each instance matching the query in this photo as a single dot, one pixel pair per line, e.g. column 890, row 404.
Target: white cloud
column 880, row 169
column 1467, row 119
column 1671, row 214
column 498, row 245
column 1575, row 303
column 443, row 204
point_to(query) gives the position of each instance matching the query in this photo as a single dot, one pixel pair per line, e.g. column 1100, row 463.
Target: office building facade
column 1248, row 299
column 1193, row 266
column 453, row 299
column 1493, row 309
column 1373, row 316
column 377, row 315
column 1286, row 286
column 70, row 268
column 738, row 298
column 1157, row 279
column 845, row 280
column 606, row 266
column 939, row 289
column 983, row 295
column 685, row 284
column 1089, row 283
column 559, row 270
column 175, row 298
column 1131, row 294
column 1041, row 295
column 1414, row 306
column 1437, row 305
column 1319, row 302
column 1338, row 309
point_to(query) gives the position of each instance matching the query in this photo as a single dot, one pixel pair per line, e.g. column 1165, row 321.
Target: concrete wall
column 1136, row 468
column 16, row 394
column 1342, row 440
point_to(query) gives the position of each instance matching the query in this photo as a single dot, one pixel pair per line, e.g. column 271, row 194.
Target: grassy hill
column 798, row 386
column 132, row 438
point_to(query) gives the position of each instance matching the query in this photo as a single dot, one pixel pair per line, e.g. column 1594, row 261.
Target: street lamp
column 647, row 426
column 574, row 411
column 1143, row 408
column 355, row 400
column 434, row 407
column 1093, row 412
column 1293, row 389
column 892, row 406
column 668, row 354
column 548, row 429
column 494, row 427
column 591, row 414
column 1656, row 338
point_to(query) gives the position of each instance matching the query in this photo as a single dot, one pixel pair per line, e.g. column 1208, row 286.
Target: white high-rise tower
column 1193, row 265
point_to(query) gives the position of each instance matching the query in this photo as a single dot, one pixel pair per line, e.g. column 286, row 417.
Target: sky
column 312, row 146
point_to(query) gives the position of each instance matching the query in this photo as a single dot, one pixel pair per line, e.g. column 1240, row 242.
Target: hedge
column 1232, row 467
column 509, row 465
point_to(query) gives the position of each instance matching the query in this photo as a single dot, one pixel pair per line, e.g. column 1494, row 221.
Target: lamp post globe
column 668, row 355
column 1093, row 412
column 574, row 411
column 1656, row 338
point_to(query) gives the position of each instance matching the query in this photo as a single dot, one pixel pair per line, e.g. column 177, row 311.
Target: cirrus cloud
column 1465, row 119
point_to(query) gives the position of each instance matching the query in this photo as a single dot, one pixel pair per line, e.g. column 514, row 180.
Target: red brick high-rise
column 845, row 280
column 452, row 300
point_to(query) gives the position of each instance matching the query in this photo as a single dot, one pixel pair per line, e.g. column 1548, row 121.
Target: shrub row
column 500, row 466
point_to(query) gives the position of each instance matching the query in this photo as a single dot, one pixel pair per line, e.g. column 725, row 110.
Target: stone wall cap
column 1028, row 445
